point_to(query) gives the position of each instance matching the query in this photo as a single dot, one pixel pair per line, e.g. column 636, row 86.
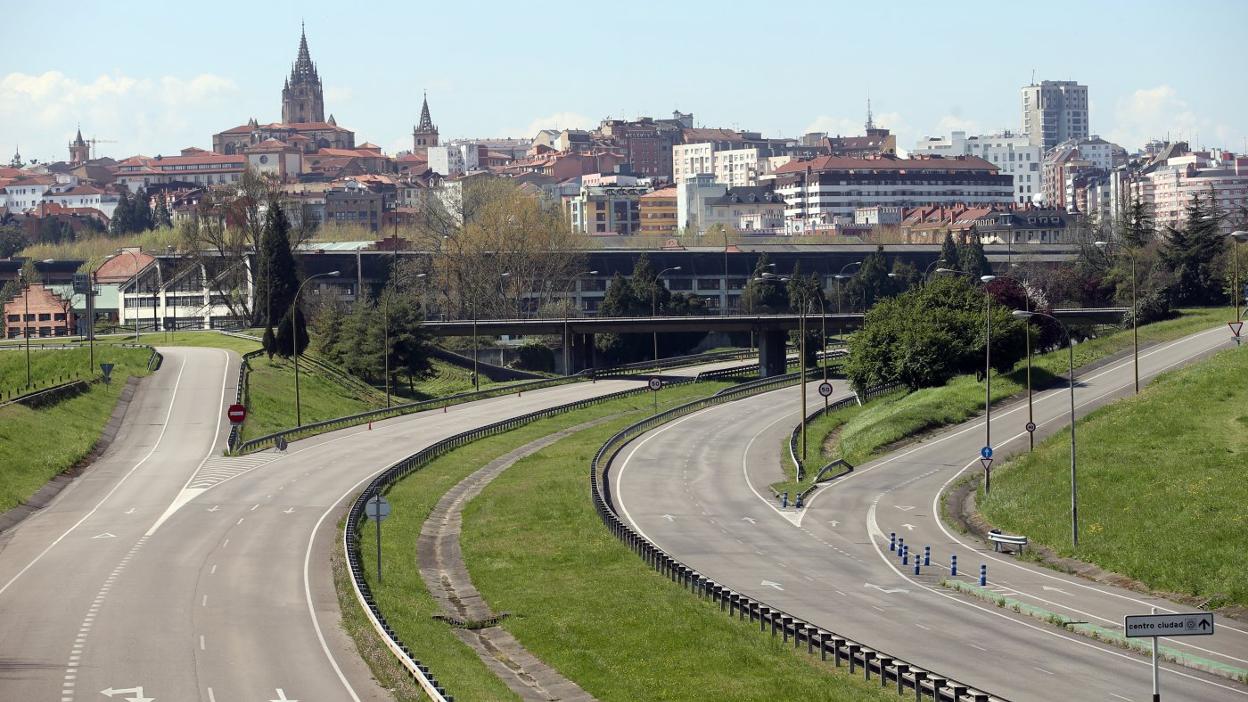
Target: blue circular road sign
column 985, row 452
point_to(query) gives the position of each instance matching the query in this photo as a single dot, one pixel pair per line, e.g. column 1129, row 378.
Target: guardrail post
column 824, row 638
column 734, row 602
column 718, row 596
column 743, row 606
column 866, row 664
column 852, row 650
column 763, row 614
column 837, row 643
column 901, row 669
column 811, row 634
column 785, row 621
column 937, row 683
column 919, row 677
column 884, row 661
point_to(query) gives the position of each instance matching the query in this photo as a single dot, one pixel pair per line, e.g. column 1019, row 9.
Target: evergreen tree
column 284, row 342
column 278, row 279
column 972, row 259
column 53, row 231
column 141, row 216
column 122, row 215
column 905, row 275
column 162, row 216
column 760, row 296
column 871, row 283
column 1191, row 252
column 1135, row 223
column 950, row 256
column 11, row 241
column 409, row 341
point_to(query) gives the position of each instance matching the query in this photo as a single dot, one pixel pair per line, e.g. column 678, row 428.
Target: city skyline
column 150, row 103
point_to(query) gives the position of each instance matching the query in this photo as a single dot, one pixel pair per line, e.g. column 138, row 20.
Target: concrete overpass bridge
column 771, row 330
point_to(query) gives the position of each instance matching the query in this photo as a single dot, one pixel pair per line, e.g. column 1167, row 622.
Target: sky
column 150, row 78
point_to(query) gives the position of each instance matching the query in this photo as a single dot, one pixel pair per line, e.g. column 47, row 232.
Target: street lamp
column 26, row 321
column 840, row 276
column 654, row 311
column 294, row 338
column 1135, row 314
column 1237, row 237
column 985, row 279
column 567, row 358
column 1070, row 345
column 1031, row 435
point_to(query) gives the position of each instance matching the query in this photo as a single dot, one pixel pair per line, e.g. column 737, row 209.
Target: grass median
column 37, row 444
column 1163, row 511
column 579, row 599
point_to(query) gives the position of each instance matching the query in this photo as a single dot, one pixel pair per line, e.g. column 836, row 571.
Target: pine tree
column 1191, row 252
column 162, row 217
column 871, row 283
column 141, row 217
column 278, row 279
column 122, row 215
column 972, row 259
column 760, row 296
column 949, row 254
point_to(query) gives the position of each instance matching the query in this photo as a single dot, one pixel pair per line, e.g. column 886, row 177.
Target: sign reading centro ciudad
column 1192, row 624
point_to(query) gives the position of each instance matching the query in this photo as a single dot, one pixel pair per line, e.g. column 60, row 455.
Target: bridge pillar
column 582, row 352
column 771, row 356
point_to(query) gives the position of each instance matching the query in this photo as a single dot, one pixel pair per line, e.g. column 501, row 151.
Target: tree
column 123, row 216
column 162, row 217
column 905, row 275
column 637, row 296
column 760, row 296
column 53, row 231
column 1191, row 253
column 1135, row 223
column 276, row 276
column 950, row 256
column 360, row 343
column 871, row 283
column 11, row 241
column 142, row 212
column 971, row 257
column 409, row 341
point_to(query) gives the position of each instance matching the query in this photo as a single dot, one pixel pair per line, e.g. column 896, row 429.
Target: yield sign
column 1235, row 328
column 986, row 463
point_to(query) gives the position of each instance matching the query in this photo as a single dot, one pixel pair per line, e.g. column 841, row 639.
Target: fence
column 903, row 674
column 66, row 385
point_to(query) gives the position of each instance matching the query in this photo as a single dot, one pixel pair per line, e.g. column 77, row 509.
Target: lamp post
column 654, row 311
column 1135, row 314
column 1031, row 435
column 567, row 357
column 134, row 256
column 294, row 338
column 985, row 279
column 26, row 321
column 1237, row 237
column 840, row 276
column 1074, row 501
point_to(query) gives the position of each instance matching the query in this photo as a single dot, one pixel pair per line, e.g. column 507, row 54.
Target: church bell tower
column 302, row 97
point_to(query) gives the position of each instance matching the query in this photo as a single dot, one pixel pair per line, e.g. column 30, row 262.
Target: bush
column 535, row 357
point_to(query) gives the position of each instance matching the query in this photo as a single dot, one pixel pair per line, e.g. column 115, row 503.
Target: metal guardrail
column 675, row 362
column 885, row 666
column 396, row 472
column 858, row 398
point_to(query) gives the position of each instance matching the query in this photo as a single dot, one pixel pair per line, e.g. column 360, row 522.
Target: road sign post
column 656, row 384
column 107, row 370
column 987, row 464
column 237, row 413
column 378, row 509
column 1236, row 327
column 825, row 389
column 1155, row 625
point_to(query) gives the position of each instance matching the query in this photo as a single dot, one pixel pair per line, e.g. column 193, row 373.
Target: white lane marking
column 201, row 642
column 1050, row 576
column 281, row 696
column 182, row 498
column 253, row 508
column 214, row 569
column 1042, row 670
column 768, row 583
column 105, row 535
column 211, row 697
column 164, row 427
column 240, row 521
column 1050, row 589
column 873, row 528
column 204, row 602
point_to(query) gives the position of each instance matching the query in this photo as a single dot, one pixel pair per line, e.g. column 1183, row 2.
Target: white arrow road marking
column 136, row 692
column 288, row 510
column 1055, row 589
column 768, row 583
column 214, row 508
column 833, row 522
column 105, row 535
column 749, row 519
column 909, row 527
column 281, row 696
column 129, row 511
column 904, row 508
column 669, row 517
column 885, row 590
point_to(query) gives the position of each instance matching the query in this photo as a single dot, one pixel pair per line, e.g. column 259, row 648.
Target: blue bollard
column 927, row 555
column 983, row 574
column 953, row 564
column 916, row 564
column 901, row 544
column 905, row 555
column 784, row 501
column 797, row 501
column 892, row 541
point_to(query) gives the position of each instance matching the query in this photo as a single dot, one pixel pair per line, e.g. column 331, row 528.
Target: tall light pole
column 1031, row 435
column 654, row 310
column 985, row 279
column 839, row 277
column 294, row 338
column 567, row 357
column 1135, row 313
column 1074, row 501
column 1237, row 237
column 26, row 321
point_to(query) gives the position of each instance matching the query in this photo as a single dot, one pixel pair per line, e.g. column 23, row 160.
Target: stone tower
column 424, row 134
column 302, row 98
column 79, row 150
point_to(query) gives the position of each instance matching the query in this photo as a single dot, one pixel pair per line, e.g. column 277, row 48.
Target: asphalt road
column 697, row 487
column 168, row 572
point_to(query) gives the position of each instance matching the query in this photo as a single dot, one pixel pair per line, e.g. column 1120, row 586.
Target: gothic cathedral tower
column 302, row 99
column 424, row 134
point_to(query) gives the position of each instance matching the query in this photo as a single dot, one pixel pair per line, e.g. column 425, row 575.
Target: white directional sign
column 133, row 694
column 1192, row 624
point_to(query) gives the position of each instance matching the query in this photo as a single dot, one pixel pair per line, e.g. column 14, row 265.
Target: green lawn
column 1161, row 491
column 887, row 421
column 52, row 367
column 579, row 599
column 30, row 454
column 271, row 396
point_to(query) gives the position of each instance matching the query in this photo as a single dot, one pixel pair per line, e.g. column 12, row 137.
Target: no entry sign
column 237, row 413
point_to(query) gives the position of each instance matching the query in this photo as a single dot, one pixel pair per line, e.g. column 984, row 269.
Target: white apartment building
column 691, row 160
column 1224, row 176
column 732, row 167
column 1013, row 154
column 692, row 195
column 1054, row 111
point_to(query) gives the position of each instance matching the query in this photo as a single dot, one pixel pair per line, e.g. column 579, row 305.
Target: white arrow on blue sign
column 985, row 452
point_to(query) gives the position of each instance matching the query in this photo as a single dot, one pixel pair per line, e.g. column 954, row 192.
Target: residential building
column 824, row 190
column 747, row 209
column 878, row 216
column 37, row 311
column 658, row 212
column 201, row 169
column 1013, row 154
column 607, row 209
column 1009, row 225
column 1068, row 166
column 1054, row 111
column 647, row 143
column 740, row 164
column 1222, row 176
column 352, row 202
column 692, row 194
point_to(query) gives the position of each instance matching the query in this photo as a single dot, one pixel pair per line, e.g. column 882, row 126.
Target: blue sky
column 156, row 78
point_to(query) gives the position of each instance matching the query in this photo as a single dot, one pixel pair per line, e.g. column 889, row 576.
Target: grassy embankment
column 1159, row 474
column 38, row 444
column 859, row 434
column 579, row 599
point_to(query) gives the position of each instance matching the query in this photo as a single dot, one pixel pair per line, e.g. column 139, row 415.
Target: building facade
column 658, row 212
column 1054, row 111
column 607, row 209
column 36, row 311
column 1013, row 154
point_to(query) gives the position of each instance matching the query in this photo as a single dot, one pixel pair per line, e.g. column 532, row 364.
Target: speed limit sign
column 656, row 384
column 825, row 389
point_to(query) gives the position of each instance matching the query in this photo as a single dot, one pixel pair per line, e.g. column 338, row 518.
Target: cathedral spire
column 426, row 123
column 870, row 117
column 303, row 63
column 302, row 97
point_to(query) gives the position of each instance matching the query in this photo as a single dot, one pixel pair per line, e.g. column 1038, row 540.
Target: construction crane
column 93, row 141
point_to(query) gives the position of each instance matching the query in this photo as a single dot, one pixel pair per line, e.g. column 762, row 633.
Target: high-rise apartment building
column 1054, row 111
